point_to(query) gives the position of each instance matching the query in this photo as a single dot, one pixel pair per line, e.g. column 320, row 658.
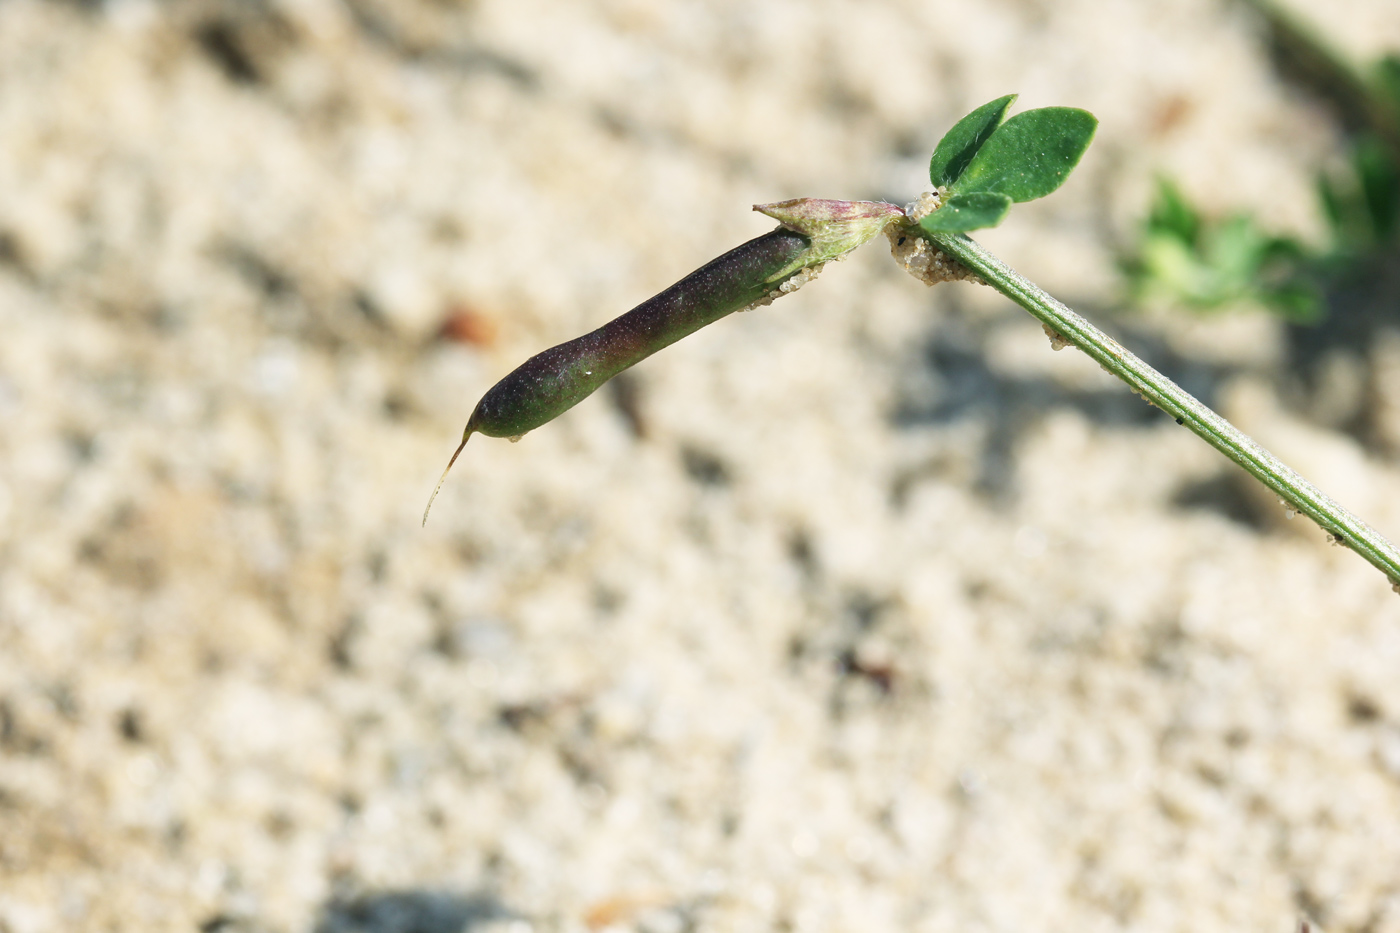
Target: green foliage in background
column 1362, row 204
column 1187, row 258
column 1183, row 258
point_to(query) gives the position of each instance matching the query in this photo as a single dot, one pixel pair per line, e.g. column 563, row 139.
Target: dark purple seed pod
column 550, row 383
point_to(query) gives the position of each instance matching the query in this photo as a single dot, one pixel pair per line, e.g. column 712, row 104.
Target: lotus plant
column 982, row 166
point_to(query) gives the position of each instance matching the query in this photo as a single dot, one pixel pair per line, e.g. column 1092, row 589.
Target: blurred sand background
column 862, row 612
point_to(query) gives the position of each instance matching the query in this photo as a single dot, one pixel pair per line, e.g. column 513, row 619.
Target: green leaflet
column 957, row 147
column 1031, row 154
column 971, row 211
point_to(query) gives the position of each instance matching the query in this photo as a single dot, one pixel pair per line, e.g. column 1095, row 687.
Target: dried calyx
column 834, row 227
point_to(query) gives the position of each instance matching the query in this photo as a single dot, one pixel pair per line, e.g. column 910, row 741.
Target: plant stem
column 1297, row 492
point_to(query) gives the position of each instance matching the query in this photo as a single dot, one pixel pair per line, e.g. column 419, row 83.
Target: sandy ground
column 865, row 611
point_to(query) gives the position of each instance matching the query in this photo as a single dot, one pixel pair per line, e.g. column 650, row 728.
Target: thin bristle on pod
column 442, row 479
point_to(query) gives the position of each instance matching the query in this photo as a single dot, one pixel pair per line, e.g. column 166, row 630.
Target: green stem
column 1175, row 401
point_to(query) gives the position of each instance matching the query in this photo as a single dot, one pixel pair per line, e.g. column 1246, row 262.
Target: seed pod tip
column 442, row 479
